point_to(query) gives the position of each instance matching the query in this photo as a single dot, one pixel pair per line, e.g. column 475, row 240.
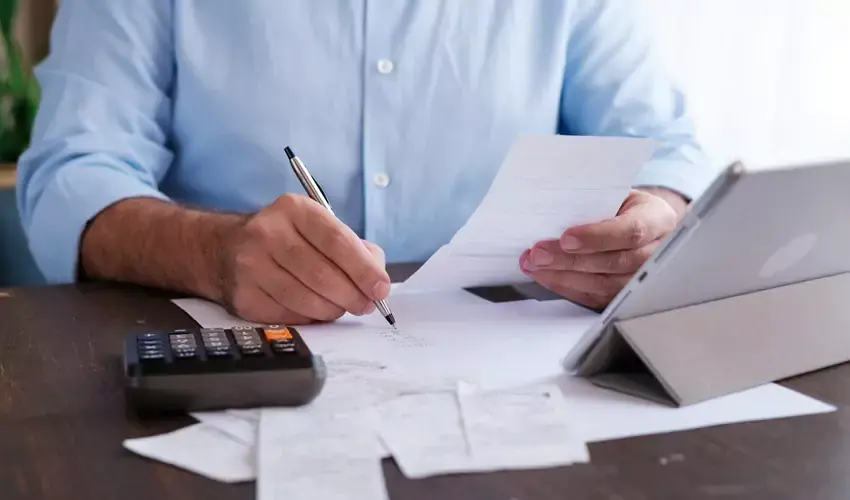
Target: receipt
column 425, row 435
column 201, row 449
column 304, row 455
column 525, row 427
column 472, row 430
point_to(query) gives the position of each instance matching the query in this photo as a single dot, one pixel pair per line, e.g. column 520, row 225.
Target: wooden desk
column 62, row 421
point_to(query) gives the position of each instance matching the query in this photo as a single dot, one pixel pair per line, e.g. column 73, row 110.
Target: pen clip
column 327, row 201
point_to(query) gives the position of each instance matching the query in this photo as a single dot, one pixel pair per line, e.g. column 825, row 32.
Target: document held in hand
column 546, row 184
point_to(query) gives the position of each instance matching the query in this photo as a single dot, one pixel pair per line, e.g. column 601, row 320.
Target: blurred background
column 768, row 82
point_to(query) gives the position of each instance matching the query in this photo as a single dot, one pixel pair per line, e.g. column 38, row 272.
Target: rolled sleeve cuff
column 687, row 179
column 73, row 197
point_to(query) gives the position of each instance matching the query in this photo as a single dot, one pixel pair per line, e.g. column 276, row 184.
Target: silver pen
column 314, row 191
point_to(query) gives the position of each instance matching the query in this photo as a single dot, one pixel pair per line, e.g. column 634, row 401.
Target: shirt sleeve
column 614, row 85
column 100, row 132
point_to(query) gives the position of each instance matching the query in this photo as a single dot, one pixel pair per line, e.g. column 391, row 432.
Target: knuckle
column 573, row 262
column 260, row 228
column 636, row 232
column 336, row 239
column 287, row 201
column 320, row 275
column 624, row 262
column 244, row 261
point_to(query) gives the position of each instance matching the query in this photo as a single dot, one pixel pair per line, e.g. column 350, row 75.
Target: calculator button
column 283, row 347
column 182, row 336
column 218, row 352
column 176, row 342
column 149, row 343
column 273, row 334
column 252, row 351
column 185, row 353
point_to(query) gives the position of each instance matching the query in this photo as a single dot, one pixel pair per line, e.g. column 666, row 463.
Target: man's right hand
column 294, row 262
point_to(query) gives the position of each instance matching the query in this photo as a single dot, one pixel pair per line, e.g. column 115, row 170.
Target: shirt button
column 385, row 66
column 381, row 179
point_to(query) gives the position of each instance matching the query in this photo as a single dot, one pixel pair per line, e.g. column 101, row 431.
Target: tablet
column 751, row 230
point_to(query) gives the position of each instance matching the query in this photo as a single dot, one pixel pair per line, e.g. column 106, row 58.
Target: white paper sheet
column 243, row 430
column 306, row 456
column 442, row 339
column 546, row 184
column 525, row 346
column 200, row 449
column 601, row 414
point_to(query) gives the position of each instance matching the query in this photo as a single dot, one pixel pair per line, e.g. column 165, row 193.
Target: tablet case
column 695, row 353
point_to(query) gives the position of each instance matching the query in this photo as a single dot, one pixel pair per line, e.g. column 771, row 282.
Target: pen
column 314, row 191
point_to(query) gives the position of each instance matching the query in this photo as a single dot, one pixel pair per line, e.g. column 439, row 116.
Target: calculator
column 207, row 369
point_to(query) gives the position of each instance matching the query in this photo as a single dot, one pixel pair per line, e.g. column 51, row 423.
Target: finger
column 253, row 304
column 345, row 249
column 633, row 228
column 292, row 294
column 320, row 275
column 377, row 252
column 594, row 290
column 548, row 255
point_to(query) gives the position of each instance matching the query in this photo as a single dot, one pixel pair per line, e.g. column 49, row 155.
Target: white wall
column 768, row 80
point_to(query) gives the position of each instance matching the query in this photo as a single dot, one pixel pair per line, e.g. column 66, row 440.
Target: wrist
column 217, row 235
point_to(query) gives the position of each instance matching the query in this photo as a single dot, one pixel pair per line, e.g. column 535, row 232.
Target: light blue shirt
column 402, row 109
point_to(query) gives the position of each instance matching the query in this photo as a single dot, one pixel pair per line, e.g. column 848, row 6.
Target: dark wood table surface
column 62, row 421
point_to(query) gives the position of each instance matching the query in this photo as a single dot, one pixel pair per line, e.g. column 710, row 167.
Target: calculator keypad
column 216, row 342
column 249, row 341
column 150, row 347
column 280, row 339
column 191, row 348
column 183, row 345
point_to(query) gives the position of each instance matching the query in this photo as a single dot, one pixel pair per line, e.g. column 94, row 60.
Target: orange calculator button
column 277, row 334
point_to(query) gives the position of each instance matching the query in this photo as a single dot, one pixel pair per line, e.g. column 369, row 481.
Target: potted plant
column 19, row 92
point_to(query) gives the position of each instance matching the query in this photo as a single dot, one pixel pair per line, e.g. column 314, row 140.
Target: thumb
column 376, row 252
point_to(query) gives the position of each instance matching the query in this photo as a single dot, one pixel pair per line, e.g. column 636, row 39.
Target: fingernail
column 570, row 242
column 541, row 257
column 381, row 290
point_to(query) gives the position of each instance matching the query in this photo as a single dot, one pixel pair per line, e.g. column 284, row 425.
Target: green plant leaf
column 7, row 16
column 19, row 91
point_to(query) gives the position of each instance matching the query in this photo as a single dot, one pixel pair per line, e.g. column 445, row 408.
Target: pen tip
column 391, row 319
column 289, row 153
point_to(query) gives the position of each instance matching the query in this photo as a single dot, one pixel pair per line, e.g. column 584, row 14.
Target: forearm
column 156, row 243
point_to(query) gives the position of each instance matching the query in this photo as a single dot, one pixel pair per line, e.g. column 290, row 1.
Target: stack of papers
column 465, row 385
column 434, row 416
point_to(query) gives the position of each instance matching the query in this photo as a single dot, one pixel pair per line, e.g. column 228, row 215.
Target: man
column 158, row 153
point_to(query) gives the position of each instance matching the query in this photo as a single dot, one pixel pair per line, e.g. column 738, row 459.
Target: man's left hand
column 591, row 263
